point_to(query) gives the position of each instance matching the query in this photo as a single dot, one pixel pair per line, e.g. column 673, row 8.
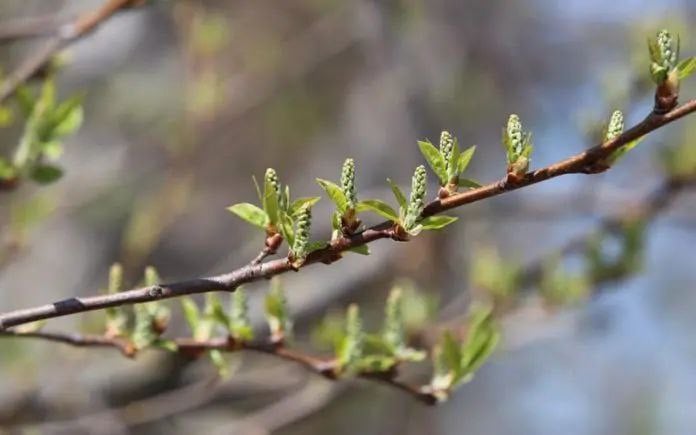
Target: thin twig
column 77, row 340
column 265, row 252
column 61, row 37
column 577, row 164
column 531, row 274
column 326, row 367
column 30, row 27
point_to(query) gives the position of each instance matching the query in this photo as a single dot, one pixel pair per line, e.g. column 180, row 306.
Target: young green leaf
column 434, row 159
column 271, row 196
column 299, row 203
column 447, row 357
column 378, row 206
column 686, row 67
column 251, row 214
column 465, row 159
column 437, row 222
column 191, row 313
column 362, row 250
column 351, row 348
column 46, row 174
column 398, row 194
column 116, row 317
column 482, row 338
column 215, row 311
column 335, row 193
column 472, row 184
column 220, row 363
column 7, row 170
column 67, row 118
column 277, row 312
column 393, row 333
column 239, row 322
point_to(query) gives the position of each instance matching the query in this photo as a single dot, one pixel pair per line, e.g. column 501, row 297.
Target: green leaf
column 378, row 206
column 335, row 193
column 151, row 276
column 67, row 118
column 6, row 116
column 25, row 100
column 449, row 360
column 435, row 160
column 686, row 67
column 270, row 202
column 191, row 313
column 316, row 245
column 351, row 349
column 375, row 364
column 7, row 171
column 623, row 150
column 52, row 149
column 277, row 311
column 46, row 174
column 362, row 250
column 465, row 158
column 215, row 311
column 467, row 182
column 251, row 214
column 482, row 339
column 299, row 203
column 239, row 324
column 285, row 227
column 437, row 222
column 219, row 362
column 258, row 189
column 398, row 194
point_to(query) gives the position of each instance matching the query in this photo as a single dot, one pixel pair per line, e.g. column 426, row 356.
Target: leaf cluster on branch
column 216, row 329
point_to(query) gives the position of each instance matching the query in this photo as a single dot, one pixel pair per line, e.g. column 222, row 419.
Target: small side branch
column 61, row 36
column 328, row 368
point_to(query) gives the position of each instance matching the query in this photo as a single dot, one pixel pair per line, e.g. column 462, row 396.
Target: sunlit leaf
column 398, row 194
column 465, row 159
column 437, row 222
column 378, row 206
column 250, row 213
column 335, row 193
column 46, row 174
column 434, row 158
column 686, row 67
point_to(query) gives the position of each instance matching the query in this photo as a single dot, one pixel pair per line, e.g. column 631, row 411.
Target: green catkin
column 304, row 222
column 616, row 126
column 348, row 182
column 416, row 202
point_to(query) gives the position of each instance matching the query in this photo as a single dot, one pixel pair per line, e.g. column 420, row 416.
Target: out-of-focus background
column 186, row 100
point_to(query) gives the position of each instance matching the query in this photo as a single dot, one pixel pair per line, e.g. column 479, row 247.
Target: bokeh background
column 185, row 100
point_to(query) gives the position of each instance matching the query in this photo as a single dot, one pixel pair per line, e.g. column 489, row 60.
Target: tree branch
column 192, row 348
column 580, row 163
column 61, row 37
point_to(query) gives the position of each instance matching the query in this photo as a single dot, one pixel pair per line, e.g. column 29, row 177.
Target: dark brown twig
column 576, row 164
